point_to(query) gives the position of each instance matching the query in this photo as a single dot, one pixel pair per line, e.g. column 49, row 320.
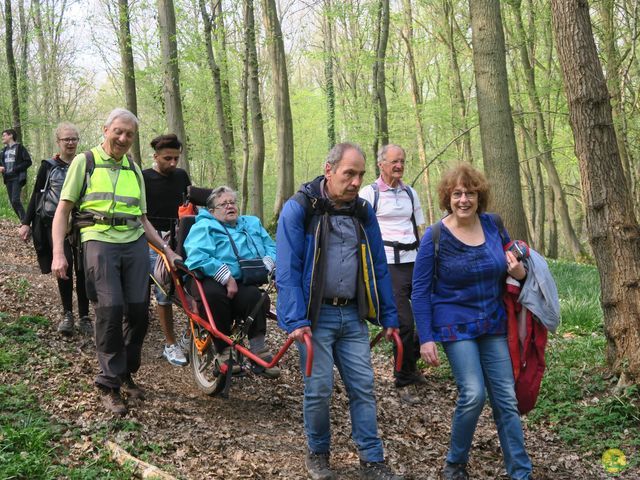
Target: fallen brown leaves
column 257, row 432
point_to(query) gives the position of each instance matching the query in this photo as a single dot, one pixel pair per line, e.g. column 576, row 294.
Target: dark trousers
column 14, row 188
column 117, row 278
column 225, row 309
column 401, row 277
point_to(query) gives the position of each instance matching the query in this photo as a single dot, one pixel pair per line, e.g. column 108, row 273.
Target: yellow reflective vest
column 114, row 204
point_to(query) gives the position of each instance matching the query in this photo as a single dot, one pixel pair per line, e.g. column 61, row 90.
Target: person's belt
column 398, row 247
column 114, row 222
column 338, row 301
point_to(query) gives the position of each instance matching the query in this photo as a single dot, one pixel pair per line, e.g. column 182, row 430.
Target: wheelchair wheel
column 206, row 374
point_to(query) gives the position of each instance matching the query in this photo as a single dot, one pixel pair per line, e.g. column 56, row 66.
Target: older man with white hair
column 108, row 190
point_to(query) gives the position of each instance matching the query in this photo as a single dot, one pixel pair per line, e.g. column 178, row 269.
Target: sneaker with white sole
column 174, row 355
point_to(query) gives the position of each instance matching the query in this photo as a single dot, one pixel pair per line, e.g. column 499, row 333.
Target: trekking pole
column 399, row 347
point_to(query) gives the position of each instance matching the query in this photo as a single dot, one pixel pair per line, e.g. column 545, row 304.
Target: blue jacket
column 300, row 262
column 209, row 250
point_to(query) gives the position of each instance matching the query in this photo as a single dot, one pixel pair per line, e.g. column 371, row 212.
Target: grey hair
column 337, row 152
column 382, row 152
column 121, row 113
column 65, row 126
column 217, row 193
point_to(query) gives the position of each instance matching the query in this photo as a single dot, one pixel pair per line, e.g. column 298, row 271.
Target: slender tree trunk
column 171, row 85
column 381, row 128
column 416, row 98
column 255, row 107
column 457, row 90
column 543, row 145
column 282, row 106
column 46, row 89
column 128, row 70
column 220, row 46
column 614, row 83
column 496, row 124
column 11, row 64
column 244, row 131
column 328, row 73
column 552, row 244
column 23, row 76
column 226, row 135
column 614, row 233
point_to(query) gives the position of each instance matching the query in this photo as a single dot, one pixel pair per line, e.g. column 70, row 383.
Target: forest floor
column 257, row 432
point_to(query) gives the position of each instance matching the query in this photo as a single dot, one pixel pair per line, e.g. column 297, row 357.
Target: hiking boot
column 455, row 471
column 223, row 356
column 273, row 372
column 409, row 395
column 377, row 471
column 65, row 327
column 85, row 325
column 419, row 379
column 318, row 466
column 112, row 401
column 131, row 388
column 174, row 355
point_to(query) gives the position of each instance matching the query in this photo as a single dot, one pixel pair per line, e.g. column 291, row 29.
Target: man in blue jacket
column 331, row 276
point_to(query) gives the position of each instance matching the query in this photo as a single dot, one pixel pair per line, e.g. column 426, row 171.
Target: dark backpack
column 50, row 193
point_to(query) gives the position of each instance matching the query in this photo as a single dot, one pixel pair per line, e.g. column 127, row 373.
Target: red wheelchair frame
column 202, row 330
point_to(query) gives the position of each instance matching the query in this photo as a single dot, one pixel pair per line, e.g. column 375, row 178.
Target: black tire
column 206, row 374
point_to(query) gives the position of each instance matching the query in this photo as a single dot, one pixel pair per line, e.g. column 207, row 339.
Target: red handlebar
column 399, row 347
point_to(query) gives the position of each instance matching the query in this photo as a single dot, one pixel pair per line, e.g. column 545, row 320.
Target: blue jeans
column 341, row 338
column 477, row 364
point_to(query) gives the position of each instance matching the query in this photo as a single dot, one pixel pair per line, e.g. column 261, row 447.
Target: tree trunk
column 496, row 124
column 457, row 91
column 328, row 73
column 226, row 134
column 255, row 107
column 23, row 76
column 282, row 106
column 613, row 230
column 416, row 98
column 543, row 145
column 171, row 85
column 381, row 128
column 244, row 132
column 552, row 244
column 128, row 71
column 11, row 64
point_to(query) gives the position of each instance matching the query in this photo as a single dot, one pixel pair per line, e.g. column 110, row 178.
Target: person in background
column 464, row 311
column 116, row 255
column 399, row 214
column 166, row 188
column 14, row 162
column 332, row 275
column 38, row 221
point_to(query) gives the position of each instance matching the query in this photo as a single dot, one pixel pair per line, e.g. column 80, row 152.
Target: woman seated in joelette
column 209, row 249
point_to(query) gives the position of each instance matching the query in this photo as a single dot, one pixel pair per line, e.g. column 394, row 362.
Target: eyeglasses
column 226, row 204
column 395, row 163
column 457, row 195
column 69, row 140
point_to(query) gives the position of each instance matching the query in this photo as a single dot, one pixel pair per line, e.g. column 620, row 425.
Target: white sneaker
column 173, row 354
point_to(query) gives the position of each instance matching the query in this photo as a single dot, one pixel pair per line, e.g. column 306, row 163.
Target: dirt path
column 257, row 432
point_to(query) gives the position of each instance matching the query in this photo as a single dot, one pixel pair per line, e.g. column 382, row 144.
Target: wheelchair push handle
column 398, row 343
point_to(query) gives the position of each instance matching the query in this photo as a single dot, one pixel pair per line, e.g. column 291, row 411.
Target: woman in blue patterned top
column 464, row 311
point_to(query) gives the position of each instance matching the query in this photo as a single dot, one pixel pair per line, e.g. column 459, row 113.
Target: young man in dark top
column 14, row 162
column 165, row 186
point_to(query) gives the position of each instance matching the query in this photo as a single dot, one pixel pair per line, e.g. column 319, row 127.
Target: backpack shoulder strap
column 497, row 219
column 376, row 196
column 407, row 189
column 90, row 167
column 303, row 200
column 435, row 239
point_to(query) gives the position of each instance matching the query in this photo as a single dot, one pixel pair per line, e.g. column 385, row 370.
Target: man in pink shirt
column 399, row 214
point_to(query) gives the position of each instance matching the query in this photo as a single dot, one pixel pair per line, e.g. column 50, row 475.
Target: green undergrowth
column 30, row 438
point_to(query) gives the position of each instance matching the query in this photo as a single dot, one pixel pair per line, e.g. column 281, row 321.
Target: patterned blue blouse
column 467, row 301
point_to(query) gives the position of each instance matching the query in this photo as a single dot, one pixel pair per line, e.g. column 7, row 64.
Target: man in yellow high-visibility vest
column 115, row 249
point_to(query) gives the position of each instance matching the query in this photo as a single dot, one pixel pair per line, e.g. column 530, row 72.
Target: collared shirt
column 341, row 253
column 394, row 217
column 73, row 186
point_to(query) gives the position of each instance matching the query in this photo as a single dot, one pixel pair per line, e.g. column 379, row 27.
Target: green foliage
column 577, row 397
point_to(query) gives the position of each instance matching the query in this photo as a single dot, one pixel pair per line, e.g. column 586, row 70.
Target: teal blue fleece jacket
column 209, row 250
